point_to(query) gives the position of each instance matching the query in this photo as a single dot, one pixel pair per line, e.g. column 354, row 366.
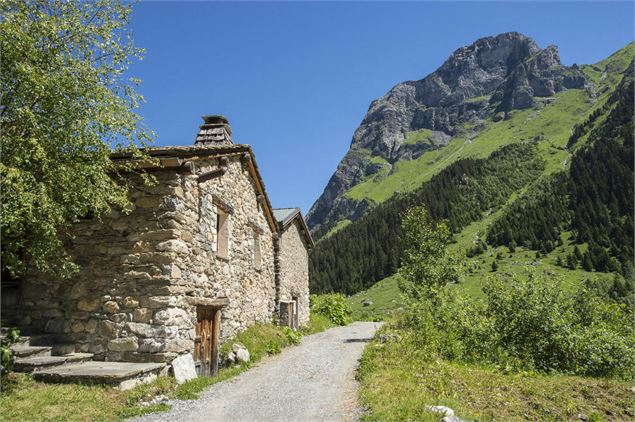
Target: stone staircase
column 50, row 361
column 36, row 352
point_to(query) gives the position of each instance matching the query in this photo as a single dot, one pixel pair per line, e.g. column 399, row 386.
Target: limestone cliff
column 486, row 79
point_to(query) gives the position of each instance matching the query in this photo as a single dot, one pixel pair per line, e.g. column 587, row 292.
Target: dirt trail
column 314, row 381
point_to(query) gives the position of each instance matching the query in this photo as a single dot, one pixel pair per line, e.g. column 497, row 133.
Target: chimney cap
column 215, row 119
column 214, row 131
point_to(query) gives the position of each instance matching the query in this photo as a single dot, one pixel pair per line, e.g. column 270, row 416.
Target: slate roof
column 284, row 217
column 187, row 150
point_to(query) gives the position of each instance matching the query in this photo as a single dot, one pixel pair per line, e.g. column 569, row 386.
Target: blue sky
column 295, row 79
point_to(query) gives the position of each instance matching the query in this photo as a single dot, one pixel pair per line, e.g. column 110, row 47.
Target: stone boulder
column 183, row 368
column 241, row 352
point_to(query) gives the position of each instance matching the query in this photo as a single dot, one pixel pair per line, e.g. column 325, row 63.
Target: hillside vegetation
column 529, row 349
column 548, row 187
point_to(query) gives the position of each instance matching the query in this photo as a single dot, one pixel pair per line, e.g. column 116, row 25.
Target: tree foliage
column 369, row 250
column 594, row 198
column 527, row 323
column 426, row 265
column 65, row 104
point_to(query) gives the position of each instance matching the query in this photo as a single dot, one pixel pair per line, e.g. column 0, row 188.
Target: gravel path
column 313, row 381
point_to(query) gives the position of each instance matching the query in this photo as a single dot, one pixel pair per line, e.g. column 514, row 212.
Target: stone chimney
column 215, row 131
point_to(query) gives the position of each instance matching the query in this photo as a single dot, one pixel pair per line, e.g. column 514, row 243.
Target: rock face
column 493, row 75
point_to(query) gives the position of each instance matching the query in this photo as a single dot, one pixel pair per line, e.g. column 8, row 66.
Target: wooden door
column 288, row 314
column 207, row 340
column 296, row 312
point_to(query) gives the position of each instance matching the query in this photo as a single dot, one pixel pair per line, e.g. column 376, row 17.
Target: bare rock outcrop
column 493, row 75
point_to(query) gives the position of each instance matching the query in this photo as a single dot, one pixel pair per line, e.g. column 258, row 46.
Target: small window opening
column 222, row 235
column 257, row 253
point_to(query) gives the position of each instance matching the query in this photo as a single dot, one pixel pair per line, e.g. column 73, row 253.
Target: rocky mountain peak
column 493, row 74
column 475, row 70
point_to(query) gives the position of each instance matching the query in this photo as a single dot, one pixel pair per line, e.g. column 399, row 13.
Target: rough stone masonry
column 202, row 235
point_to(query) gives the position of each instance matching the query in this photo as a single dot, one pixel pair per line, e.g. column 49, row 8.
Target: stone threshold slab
column 124, row 375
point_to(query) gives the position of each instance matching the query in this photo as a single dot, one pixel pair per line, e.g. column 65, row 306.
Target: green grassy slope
column 551, row 120
column 382, row 299
column 397, row 385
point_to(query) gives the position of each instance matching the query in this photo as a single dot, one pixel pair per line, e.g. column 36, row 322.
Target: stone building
column 191, row 264
column 293, row 272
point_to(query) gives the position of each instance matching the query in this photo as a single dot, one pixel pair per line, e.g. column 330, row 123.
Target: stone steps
column 37, row 363
column 50, row 341
column 22, row 350
column 53, row 360
column 122, row 375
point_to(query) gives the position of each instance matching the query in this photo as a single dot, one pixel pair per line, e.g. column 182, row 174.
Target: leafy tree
column 334, row 306
column 426, row 264
column 65, row 104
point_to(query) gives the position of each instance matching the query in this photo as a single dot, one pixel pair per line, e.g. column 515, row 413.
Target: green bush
column 334, row 306
column 294, row 337
column 6, row 354
column 527, row 324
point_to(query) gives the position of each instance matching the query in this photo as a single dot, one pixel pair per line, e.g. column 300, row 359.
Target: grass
column 339, row 226
column 550, row 123
column 615, row 64
column 477, row 99
column 398, row 382
column 418, row 136
column 317, row 324
column 23, row 398
column 385, row 297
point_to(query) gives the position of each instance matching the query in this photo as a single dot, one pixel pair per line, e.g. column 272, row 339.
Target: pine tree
column 572, row 262
column 576, row 253
column 587, row 262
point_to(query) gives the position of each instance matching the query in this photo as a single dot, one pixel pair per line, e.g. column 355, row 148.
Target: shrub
column 294, row 337
column 522, row 323
column 549, row 328
column 527, row 324
column 6, row 354
column 334, row 306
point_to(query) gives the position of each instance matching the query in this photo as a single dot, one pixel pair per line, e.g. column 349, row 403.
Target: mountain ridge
column 486, row 79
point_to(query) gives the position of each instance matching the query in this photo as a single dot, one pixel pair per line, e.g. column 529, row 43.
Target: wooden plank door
column 207, row 340
column 296, row 312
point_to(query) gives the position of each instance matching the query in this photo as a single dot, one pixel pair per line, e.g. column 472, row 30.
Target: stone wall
column 294, row 270
column 143, row 273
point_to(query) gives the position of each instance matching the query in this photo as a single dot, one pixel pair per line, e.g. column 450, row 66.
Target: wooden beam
column 206, row 301
column 210, row 175
column 215, row 342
